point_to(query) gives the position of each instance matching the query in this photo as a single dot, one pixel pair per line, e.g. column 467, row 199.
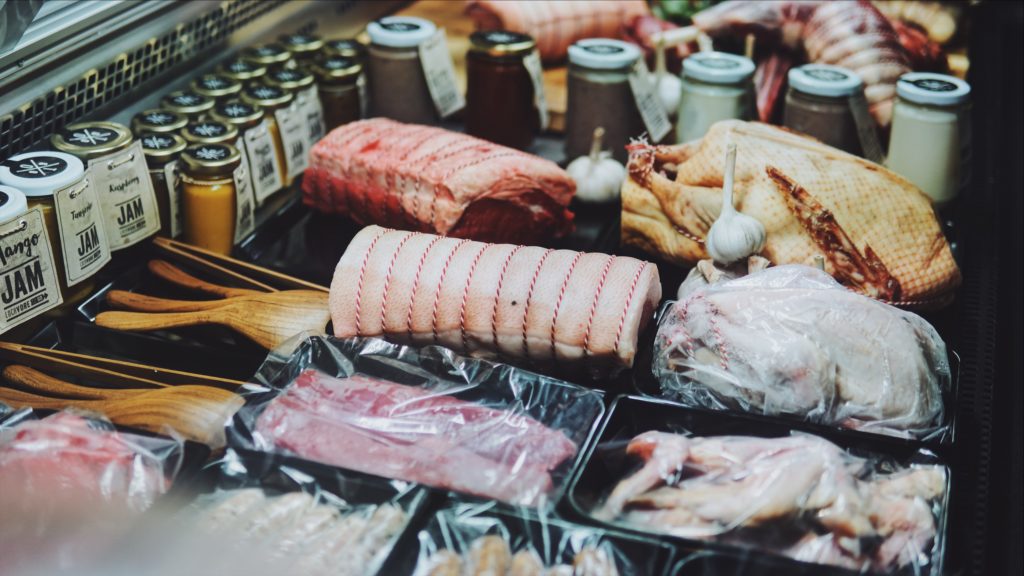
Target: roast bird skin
column 876, row 232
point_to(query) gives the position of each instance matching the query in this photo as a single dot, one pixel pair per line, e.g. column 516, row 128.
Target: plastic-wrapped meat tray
column 606, row 463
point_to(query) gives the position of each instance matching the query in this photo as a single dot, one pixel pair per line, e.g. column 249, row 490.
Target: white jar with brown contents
column 397, row 85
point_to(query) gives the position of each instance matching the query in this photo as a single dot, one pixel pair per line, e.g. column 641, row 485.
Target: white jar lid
column 40, row 173
column 400, row 31
column 825, row 80
column 931, row 88
column 12, row 203
column 603, row 54
column 718, row 67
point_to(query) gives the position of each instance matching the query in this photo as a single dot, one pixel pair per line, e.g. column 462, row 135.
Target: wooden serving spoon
column 171, row 273
column 267, row 319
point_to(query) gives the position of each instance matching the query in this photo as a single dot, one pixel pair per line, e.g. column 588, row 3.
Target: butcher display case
column 201, row 91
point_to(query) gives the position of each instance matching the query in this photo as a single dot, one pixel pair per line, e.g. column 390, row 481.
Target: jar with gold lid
column 162, row 151
column 217, row 86
column 210, row 132
column 302, row 85
column 338, row 84
column 303, row 47
column 242, row 70
column 286, row 131
column 57, row 184
column 192, row 105
column 209, row 195
column 501, row 100
column 268, row 55
column 159, row 121
column 346, row 47
column 257, row 144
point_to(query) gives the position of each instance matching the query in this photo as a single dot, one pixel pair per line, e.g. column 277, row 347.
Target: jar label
column 647, row 102
column 263, row 167
column 126, row 195
column 83, row 239
column 867, row 133
column 294, row 139
column 533, row 66
column 28, row 278
column 313, row 113
column 245, row 203
column 176, row 212
column 364, row 98
column 440, row 73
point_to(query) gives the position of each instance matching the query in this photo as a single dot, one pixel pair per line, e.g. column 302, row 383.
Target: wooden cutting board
column 449, row 15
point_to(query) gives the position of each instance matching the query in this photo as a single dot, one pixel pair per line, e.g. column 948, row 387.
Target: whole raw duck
column 875, row 231
column 852, row 34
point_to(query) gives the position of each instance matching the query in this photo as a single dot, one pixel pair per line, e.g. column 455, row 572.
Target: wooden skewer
column 748, row 46
column 677, row 36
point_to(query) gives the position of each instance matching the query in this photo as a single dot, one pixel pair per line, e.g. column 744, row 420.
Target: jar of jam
column 338, row 84
column 162, row 152
column 217, row 86
column 276, row 104
column 346, row 47
column 827, row 102
column 501, row 103
column 192, row 105
column 208, row 194
column 210, row 132
column 56, row 183
column 303, row 47
column 599, row 94
column 268, row 55
column 716, row 86
column 930, row 141
column 302, row 86
column 397, row 85
column 242, row 70
column 159, row 121
column 257, row 144
column 21, row 303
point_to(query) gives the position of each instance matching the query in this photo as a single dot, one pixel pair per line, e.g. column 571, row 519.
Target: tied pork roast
column 876, row 232
column 429, row 179
column 566, row 311
column 790, row 340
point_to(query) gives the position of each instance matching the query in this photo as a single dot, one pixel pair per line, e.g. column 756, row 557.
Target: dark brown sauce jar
column 500, row 99
column 338, row 87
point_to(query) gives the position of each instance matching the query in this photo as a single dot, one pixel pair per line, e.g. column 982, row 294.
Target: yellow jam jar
column 209, row 195
column 272, row 100
column 256, row 143
column 210, row 132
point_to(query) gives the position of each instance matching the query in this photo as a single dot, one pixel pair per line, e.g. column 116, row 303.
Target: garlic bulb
column 669, row 86
column 733, row 235
column 598, row 177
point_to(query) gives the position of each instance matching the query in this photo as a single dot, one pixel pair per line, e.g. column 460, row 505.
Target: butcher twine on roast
column 429, row 179
column 876, row 232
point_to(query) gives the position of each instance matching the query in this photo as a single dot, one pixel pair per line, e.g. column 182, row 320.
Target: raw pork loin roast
column 429, row 179
column 548, row 307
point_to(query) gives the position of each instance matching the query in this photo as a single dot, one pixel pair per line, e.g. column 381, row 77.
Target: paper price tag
column 440, row 73
column 536, row 70
column 647, row 101
column 294, row 138
column 125, row 191
column 28, row 279
column 245, row 203
column 313, row 113
column 259, row 150
column 364, row 99
column 83, row 239
column 172, row 177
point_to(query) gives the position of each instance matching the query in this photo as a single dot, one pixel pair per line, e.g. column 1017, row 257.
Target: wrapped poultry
column 875, row 231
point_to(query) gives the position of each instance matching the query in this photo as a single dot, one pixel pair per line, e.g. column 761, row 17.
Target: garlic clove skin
column 670, row 92
column 735, row 236
column 597, row 182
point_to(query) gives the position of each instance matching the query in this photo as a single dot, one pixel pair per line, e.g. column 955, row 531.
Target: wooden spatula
column 267, row 319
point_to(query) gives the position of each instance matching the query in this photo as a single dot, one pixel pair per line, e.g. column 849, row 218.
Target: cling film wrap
column 71, row 484
column 798, row 496
column 467, row 538
column 789, row 340
column 421, row 415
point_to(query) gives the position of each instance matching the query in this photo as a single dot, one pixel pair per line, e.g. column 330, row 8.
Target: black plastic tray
column 629, row 416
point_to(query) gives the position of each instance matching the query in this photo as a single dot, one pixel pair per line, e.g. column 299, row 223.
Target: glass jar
column 347, row 48
column 38, row 175
column 217, row 86
column 13, row 205
column 599, row 94
column 192, row 105
column 500, row 99
column 242, row 70
column 158, row 121
column 268, row 55
column 303, row 47
column 210, row 132
column 397, row 85
column 271, row 99
column 716, row 86
column 827, row 102
column 930, row 141
column 161, row 151
column 338, row 87
column 208, row 195
column 302, row 86
column 257, row 144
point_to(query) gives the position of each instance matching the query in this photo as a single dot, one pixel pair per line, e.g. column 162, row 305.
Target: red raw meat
column 415, row 434
column 429, row 179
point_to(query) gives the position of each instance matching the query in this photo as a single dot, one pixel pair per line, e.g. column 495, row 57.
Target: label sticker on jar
column 293, row 137
column 647, row 102
column 125, row 191
column 259, row 152
column 440, row 73
column 245, row 216
column 176, row 212
column 536, row 70
column 28, row 278
column 313, row 113
column 83, row 239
